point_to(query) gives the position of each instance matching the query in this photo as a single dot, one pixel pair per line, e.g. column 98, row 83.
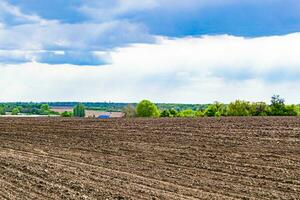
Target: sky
column 192, row 51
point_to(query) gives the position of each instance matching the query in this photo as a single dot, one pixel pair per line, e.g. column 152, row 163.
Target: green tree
column 45, row 107
column 66, row 114
column 169, row 113
column 2, row 110
column 260, row 109
column 147, row 109
column 165, row 113
column 277, row 106
column 239, row 108
column 15, row 111
column 79, row 110
column 291, row 110
column 173, row 113
column 129, row 111
column 210, row 111
column 215, row 110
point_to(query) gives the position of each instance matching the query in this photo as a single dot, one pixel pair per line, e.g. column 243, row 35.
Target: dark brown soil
column 221, row 158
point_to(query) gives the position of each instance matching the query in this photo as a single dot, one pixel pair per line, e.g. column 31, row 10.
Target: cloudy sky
column 191, row 51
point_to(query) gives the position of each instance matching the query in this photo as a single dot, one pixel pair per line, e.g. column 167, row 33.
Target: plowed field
column 222, row 158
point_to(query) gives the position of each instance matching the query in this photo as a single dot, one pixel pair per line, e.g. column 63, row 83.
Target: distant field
column 188, row 159
column 89, row 113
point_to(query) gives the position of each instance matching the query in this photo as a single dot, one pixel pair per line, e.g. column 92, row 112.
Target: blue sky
column 192, row 17
column 208, row 50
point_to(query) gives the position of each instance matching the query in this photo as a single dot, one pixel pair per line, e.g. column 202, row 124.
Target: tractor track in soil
column 205, row 158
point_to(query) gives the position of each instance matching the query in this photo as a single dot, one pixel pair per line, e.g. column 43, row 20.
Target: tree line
column 118, row 107
column 277, row 107
column 146, row 108
column 26, row 108
column 39, row 109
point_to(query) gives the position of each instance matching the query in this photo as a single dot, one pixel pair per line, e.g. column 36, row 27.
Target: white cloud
column 195, row 70
column 77, row 39
column 210, row 54
column 26, row 37
column 23, row 37
column 55, row 35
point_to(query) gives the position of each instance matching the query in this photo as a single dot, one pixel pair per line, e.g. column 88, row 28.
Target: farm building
column 104, row 116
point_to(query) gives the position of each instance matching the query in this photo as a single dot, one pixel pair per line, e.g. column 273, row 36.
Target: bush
column 147, row 109
column 260, row 109
column 45, row 110
column 291, row 110
column 45, row 107
column 15, row 111
column 129, row 111
column 199, row 113
column 169, row 113
column 173, row 113
column 239, row 108
column 210, row 111
column 165, row 113
column 2, row 111
column 215, row 110
column 79, row 110
column 187, row 113
column 66, row 114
